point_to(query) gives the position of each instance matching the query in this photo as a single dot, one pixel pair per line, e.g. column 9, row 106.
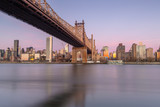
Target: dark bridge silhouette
column 39, row 14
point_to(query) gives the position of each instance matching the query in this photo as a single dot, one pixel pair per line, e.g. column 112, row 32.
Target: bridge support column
column 83, row 51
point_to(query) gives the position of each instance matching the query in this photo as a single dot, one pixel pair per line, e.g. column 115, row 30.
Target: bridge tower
column 80, row 31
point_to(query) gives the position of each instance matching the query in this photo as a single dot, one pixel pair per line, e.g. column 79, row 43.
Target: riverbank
column 110, row 62
column 141, row 63
column 5, row 62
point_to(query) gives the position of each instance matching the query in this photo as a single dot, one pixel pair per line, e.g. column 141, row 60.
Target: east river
column 90, row 85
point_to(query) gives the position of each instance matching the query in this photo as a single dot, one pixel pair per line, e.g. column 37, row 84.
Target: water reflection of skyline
column 78, row 85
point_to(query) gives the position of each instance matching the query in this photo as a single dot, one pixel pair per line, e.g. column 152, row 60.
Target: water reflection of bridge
column 74, row 96
column 72, row 93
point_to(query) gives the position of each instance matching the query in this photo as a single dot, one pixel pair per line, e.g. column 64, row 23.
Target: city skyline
column 122, row 22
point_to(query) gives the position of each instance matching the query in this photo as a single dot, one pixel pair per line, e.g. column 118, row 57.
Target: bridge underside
column 34, row 16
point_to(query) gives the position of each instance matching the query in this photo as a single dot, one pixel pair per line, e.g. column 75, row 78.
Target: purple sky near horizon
column 110, row 21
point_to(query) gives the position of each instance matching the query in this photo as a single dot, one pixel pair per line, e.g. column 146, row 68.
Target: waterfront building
column 34, row 52
column 141, row 51
column 67, row 48
column 25, row 57
column 29, row 50
column 114, row 55
column 9, row 54
column 110, row 55
column 158, row 49
column 19, row 51
column 43, row 57
column 105, row 52
column 134, row 52
column 49, row 48
column 149, row 54
column 22, row 51
column 2, row 52
column 44, row 51
column 37, row 56
column 120, row 52
column 16, row 47
column 98, row 55
column 12, row 55
column 158, row 55
column 128, row 56
column 62, row 51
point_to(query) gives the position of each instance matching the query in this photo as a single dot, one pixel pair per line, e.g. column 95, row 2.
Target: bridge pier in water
column 83, row 51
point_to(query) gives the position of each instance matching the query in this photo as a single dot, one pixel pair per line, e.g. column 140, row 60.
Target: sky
column 110, row 21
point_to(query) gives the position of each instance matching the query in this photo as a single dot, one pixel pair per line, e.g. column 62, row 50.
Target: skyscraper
column 67, row 48
column 49, row 48
column 22, row 51
column 134, row 52
column 19, row 51
column 158, row 55
column 8, row 54
column 2, row 53
column 141, row 51
column 105, row 51
column 16, row 47
column 120, row 52
column 149, row 54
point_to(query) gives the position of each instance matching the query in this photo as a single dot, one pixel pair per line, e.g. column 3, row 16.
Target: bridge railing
column 45, row 7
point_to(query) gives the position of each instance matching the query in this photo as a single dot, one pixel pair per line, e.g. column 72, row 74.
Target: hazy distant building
column 25, row 57
column 16, row 47
column 134, row 52
column 149, row 54
column 105, row 51
column 12, row 55
column 158, row 55
column 120, row 52
column 141, row 51
column 37, row 56
column 110, row 55
column 8, row 54
column 49, row 48
column 114, row 55
column 22, row 51
column 62, row 51
column 19, row 51
column 29, row 50
column 128, row 56
column 67, row 48
column 2, row 52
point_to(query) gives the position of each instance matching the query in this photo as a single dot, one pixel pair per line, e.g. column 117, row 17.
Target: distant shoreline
column 141, row 63
column 124, row 63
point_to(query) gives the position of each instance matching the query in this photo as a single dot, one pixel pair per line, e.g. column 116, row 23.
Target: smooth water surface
column 67, row 85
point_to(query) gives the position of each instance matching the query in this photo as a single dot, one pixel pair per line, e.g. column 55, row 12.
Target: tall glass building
column 16, row 47
column 49, row 48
